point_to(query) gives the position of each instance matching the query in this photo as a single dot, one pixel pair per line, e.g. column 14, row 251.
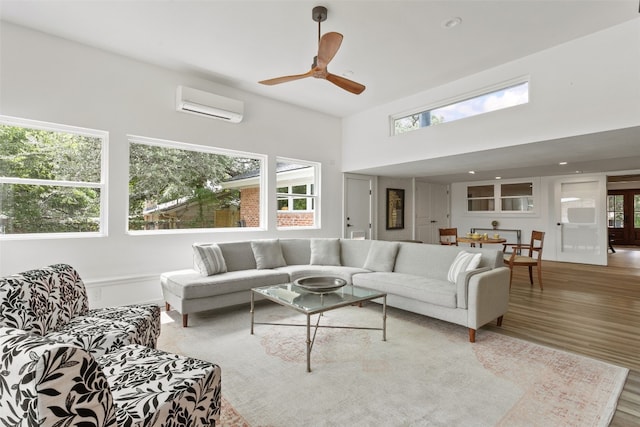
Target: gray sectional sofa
column 444, row 282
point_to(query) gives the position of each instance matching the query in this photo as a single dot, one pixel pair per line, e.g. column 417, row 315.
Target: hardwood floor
column 585, row 309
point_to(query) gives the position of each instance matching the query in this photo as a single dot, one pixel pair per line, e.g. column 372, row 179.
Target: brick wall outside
column 295, row 219
column 250, row 207
column 250, row 212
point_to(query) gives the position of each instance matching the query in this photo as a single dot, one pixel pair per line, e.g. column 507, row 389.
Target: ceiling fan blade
column 327, row 48
column 284, row 79
column 346, row 84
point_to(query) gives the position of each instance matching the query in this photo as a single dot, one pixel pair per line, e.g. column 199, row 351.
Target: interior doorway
column 623, row 209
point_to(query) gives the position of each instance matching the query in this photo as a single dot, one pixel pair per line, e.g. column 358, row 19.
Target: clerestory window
column 494, row 100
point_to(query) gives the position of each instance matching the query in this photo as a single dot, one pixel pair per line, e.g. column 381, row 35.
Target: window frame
column 489, row 90
column 498, row 198
column 102, row 186
column 158, row 142
column 313, row 197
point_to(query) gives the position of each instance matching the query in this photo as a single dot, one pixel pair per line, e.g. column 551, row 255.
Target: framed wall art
column 395, row 209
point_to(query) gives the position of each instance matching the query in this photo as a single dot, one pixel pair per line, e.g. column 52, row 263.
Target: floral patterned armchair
column 48, row 383
column 52, row 302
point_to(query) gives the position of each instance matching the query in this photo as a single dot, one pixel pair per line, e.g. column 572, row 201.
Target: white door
column 432, row 211
column 358, row 190
column 581, row 233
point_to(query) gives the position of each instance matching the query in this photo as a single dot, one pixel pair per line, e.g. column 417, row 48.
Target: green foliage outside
column 34, row 154
column 161, row 175
column 58, row 182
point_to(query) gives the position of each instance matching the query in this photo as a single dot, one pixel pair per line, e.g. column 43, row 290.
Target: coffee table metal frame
column 317, row 304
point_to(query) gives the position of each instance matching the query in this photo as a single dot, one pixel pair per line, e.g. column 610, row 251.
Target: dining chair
column 448, row 236
column 532, row 259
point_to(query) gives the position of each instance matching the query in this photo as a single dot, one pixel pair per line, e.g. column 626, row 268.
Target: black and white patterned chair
column 52, row 302
column 48, row 383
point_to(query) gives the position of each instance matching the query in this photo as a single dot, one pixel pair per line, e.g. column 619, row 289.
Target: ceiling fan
column 328, row 45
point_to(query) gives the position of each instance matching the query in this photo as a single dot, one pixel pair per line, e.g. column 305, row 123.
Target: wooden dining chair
column 448, row 236
column 533, row 258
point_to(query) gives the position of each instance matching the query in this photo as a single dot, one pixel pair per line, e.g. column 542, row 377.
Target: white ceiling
column 395, row 48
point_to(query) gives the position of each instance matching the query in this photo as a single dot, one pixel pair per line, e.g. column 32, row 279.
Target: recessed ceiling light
column 472, row 172
column 562, row 163
column 498, row 177
column 453, row 22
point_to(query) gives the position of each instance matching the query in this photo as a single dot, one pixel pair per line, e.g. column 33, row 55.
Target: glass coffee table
column 311, row 303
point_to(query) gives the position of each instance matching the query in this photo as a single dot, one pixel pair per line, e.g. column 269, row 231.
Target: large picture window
column 176, row 186
column 52, row 179
column 297, row 193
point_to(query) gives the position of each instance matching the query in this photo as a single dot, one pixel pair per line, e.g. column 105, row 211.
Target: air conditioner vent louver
column 207, row 104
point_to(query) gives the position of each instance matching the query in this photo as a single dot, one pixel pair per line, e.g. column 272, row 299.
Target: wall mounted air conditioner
column 207, row 104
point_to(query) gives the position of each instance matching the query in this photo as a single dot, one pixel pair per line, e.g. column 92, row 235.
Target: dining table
column 481, row 241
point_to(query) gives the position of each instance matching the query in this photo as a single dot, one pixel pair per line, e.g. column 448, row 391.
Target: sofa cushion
column 208, row 259
column 325, row 252
column 425, row 289
column 381, row 256
column 268, row 254
column 188, row 284
column 464, row 261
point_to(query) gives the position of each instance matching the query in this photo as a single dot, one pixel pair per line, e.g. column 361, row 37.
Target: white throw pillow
column 268, row 254
column 464, row 261
column 208, row 259
column 381, row 256
column 325, row 252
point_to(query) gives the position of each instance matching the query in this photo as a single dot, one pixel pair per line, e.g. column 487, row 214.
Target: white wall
column 50, row 79
column 588, row 85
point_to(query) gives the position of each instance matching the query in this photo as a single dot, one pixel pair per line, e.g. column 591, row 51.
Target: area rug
column 425, row 374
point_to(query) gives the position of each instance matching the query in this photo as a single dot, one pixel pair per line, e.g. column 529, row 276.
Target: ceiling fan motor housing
column 319, row 13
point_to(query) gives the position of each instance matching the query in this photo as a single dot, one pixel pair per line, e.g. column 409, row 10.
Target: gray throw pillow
column 381, row 256
column 208, row 259
column 325, row 252
column 268, row 254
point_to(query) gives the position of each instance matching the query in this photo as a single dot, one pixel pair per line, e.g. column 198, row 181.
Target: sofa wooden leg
column 499, row 321
column 472, row 335
column 167, row 306
column 185, row 319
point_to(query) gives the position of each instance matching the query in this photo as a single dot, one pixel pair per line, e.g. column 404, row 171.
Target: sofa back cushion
column 353, row 253
column 434, row 260
column 238, row 255
column 381, row 256
column 296, row 251
column 42, row 300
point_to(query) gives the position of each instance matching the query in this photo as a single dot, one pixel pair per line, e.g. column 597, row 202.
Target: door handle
column 433, row 221
column 348, row 225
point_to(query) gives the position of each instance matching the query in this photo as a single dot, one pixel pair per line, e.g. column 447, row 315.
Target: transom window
column 178, row 186
column 52, row 179
column 504, row 97
column 297, row 193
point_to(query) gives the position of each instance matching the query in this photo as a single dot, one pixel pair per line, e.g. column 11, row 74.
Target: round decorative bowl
column 476, row 236
column 320, row 284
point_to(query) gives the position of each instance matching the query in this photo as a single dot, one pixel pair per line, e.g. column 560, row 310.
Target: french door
column 623, row 216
